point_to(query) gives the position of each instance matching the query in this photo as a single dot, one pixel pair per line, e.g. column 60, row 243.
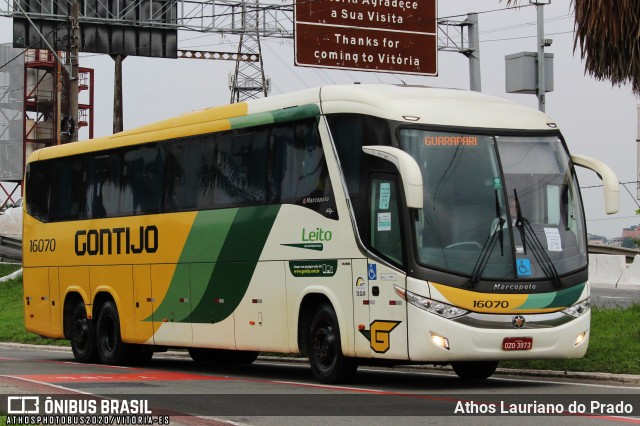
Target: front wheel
column 83, row 335
column 474, row 370
column 328, row 364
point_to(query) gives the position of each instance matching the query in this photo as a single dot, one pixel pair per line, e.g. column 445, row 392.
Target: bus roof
column 411, row 104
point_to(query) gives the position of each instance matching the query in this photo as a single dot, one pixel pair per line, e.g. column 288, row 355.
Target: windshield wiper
column 485, row 254
column 537, row 249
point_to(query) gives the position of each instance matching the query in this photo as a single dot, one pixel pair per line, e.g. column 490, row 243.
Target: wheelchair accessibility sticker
column 373, row 271
column 524, row 267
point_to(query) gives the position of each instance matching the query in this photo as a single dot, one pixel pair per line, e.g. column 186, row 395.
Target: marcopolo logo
column 94, row 242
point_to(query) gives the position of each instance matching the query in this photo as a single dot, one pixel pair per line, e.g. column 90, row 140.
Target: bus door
column 387, row 310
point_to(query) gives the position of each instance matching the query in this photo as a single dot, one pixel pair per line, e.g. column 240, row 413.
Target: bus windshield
column 496, row 207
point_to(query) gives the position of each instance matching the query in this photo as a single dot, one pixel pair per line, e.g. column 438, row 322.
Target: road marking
column 164, row 376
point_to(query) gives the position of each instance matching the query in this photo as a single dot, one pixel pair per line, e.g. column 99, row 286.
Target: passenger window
column 189, row 177
column 66, row 194
column 102, row 190
column 39, row 176
column 142, row 180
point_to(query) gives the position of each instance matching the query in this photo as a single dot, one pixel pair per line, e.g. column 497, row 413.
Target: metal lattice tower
column 248, row 81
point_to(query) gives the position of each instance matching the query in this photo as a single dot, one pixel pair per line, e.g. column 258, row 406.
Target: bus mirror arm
column 610, row 182
column 408, row 168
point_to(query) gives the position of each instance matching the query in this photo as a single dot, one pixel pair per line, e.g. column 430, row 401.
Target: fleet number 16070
column 42, row 245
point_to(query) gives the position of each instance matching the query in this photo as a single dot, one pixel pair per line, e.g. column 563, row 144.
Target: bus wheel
column 140, row 354
column 111, row 349
column 474, row 370
column 328, row 364
column 83, row 335
column 201, row 355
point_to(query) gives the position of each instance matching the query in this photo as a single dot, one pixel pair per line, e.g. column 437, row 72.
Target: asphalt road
column 611, row 297
column 270, row 393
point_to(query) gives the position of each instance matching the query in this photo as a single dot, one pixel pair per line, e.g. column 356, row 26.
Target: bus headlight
column 439, row 308
column 578, row 309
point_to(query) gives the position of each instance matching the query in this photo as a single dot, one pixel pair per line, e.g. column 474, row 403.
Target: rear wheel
column 83, row 335
column 111, row 349
column 474, row 370
column 328, row 364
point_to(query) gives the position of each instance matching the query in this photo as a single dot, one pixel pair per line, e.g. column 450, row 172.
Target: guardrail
column 13, row 243
column 10, row 248
column 630, row 254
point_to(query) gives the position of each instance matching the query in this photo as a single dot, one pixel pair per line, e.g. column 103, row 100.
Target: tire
column 201, row 355
column 111, row 349
column 328, row 364
column 83, row 336
column 222, row 356
column 475, row 370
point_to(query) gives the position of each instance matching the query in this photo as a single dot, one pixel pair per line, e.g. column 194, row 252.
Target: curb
column 574, row 375
column 11, row 276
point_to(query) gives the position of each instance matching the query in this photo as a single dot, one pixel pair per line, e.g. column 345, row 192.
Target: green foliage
column 8, row 268
column 613, row 347
column 12, row 316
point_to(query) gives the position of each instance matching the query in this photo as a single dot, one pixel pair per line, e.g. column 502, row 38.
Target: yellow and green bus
column 355, row 224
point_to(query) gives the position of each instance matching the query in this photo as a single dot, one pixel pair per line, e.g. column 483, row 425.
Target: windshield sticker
column 497, row 183
column 451, row 141
column 553, row 239
column 524, row 267
column 385, row 195
column 384, row 221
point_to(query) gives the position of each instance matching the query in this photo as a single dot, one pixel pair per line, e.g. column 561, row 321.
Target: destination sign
column 397, row 36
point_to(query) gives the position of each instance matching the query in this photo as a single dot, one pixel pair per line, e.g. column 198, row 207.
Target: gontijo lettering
column 116, row 241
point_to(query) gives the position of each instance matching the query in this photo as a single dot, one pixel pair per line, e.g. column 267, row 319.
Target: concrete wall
column 612, row 270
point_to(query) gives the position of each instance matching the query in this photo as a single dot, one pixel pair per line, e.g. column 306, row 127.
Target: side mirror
column 408, row 168
column 609, row 180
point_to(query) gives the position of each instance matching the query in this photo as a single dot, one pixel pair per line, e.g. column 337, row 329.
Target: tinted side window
column 39, row 175
column 67, row 189
column 240, row 168
column 142, row 180
column 298, row 169
column 350, row 132
column 189, row 175
column 102, row 189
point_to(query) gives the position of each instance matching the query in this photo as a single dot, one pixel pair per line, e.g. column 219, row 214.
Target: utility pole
column 542, row 43
column 118, row 122
column 474, row 52
column 73, row 78
column 638, row 152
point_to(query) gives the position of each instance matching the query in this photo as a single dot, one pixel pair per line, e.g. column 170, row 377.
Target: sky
column 596, row 118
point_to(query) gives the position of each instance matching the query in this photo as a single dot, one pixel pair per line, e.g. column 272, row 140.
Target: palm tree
column 608, row 32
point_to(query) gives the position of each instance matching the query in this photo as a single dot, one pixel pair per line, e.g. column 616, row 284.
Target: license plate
column 517, row 343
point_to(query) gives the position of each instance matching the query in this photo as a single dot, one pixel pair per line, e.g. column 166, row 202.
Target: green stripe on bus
column 556, row 299
column 279, row 116
column 204, row 244
column 217, row 263
column 236, row 264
